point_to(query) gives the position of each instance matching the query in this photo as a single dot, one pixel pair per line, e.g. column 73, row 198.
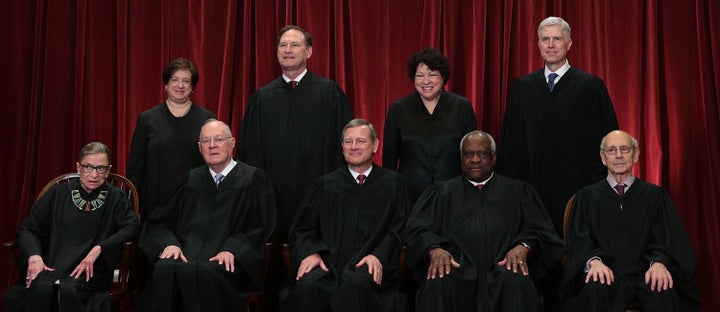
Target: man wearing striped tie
column 207, row 239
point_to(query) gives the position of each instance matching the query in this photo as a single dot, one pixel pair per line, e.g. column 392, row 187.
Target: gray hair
column 555, row 21
column 359, row 122
column 226, row 128
column 632, row 138
column 479, row 133
column 94, row 148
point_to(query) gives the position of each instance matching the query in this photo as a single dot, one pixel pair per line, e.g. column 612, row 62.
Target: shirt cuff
column 587, row 264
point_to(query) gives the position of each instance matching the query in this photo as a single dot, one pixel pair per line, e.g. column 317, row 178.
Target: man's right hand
column 441, row 262
column 599, row 271
column 309, row 263
column 174, row 252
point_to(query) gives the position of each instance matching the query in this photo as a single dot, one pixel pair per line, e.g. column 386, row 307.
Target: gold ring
column 520, row 262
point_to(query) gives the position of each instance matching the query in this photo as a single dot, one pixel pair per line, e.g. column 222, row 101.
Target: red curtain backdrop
column 77, row 71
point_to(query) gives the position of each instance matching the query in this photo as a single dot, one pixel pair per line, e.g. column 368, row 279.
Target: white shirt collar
column 225, row 171
column 561, row 71
column 483, row 182
column 298, row 78
column 356, row 174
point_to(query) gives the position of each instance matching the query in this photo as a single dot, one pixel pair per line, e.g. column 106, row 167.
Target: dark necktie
column 479, row 186
column 293, row 84
column 361, row 179
column 551, row 81
column 620, row 188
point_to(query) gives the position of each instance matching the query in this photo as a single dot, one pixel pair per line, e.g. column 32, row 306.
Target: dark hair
column 94, row 148
column 434, row 59
column 178, row 64
column 308, row 37
column 358, row 122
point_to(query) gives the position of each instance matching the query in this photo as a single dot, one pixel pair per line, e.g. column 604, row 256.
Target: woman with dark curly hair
column 423, row 130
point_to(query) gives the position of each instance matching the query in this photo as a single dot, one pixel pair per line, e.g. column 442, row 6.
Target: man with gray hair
column 347, row 235
column 480, row 240
column 626, row 242
column 207, row 239
column 557, row 101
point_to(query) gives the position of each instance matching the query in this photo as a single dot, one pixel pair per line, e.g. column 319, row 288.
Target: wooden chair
column 255, row 300
column 566, row 222
column 120, row 289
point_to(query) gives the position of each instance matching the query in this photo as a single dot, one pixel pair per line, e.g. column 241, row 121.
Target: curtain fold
column 83, row 70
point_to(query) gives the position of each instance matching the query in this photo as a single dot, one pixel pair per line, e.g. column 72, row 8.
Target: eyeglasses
column 622, row 149
column 217, row 139
column 89, row 168
column 480, row 154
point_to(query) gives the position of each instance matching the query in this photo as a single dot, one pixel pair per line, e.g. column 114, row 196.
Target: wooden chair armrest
column 285, row 249
column 125, row 265
column 402, row 267
column 10, row 252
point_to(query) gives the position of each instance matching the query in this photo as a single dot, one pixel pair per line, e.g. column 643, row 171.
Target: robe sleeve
column 581, row 245
column 538, row 230
column 137, row 159
column 391, row 140
column 36, row 228
column 389, row 248
column 260, row 221
column 470, row 120
column 304, row 234
column 669, row 244
column 510, row 163
column 342, row 117
column 424, row 225
column 251, row 134
column 158, row 230
column 602, row 119
column 125, row 227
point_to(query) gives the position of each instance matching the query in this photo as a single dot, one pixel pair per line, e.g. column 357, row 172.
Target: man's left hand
column 226, row 258
column 374, row 267
column 516, row 258
column 658, row 277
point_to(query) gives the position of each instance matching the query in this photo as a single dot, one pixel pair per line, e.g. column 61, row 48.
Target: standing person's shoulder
column 381, row 173
column 202, row 111
column 250, row 171
column 582, row 77
column 529, row 78
column 153, row 111
column 275, row 84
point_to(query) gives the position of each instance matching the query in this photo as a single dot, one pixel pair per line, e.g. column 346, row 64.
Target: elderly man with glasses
column 207, row 238
column 626, row 242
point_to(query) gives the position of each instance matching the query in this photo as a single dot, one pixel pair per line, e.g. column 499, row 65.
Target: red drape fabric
column 76, row 71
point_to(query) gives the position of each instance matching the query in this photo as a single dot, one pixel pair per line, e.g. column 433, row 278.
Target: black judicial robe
column 425, row 147
column 551, row 139
column 344, row 222
column 294, row 135
column 645, row 230
column 63, row 235
column 478, row 227
column 163, row 148
column 238, row 216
